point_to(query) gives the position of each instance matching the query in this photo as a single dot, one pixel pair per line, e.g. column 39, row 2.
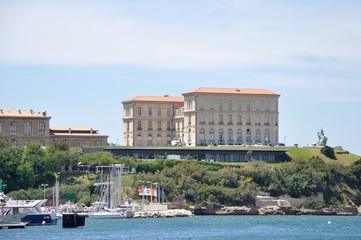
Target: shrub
column 328, row 152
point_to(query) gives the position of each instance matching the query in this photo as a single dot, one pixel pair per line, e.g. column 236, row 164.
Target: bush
column 328, row 152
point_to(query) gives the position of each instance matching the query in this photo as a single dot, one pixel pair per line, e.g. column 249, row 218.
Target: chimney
column 69, row 130
column 91, row 131
column 44, row 113
column 31, row 111
column 20, row 111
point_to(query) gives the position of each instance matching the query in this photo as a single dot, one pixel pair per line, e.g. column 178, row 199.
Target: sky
column 78, row 60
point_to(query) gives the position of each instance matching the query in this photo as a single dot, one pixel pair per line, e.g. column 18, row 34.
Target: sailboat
column 108, row 194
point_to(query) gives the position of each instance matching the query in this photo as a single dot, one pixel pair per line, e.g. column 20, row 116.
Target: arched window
column 28, row 129
column 87, row 143
column 139, row 139
column 257, row 120
column 66, row 141
column 98, row 143
column 42, row 143
column 258, row 136
column 267, row 137
column 169, row 139
column 249, row 137
column 220, row 136
column 159, row 140
column 202, row 136
column 41, row 129
column 230, row 137
column 150, row 139
column 211, row 136
column 239, row 120
column 13, row 127
column 239, row 136
column 248, row 120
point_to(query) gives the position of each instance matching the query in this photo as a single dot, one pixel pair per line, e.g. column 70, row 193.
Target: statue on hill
column 322, row 139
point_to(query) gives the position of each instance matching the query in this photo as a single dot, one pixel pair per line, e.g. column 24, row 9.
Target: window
column 249, row 137
column 257, row 105
column 169, row 139
column 211, row 104
column 230, row 120
column 139, row 111
column 220, row 136
column 150, row 111
column 220, row 105
column 211, row 136
column 168, row 112
column 267, row 136
column 201, row 119
column 1, row 128
column 239, row 120
column 139, row 139
column 98, row 143
column 150, row 139
column 239, row 136
column 202, row 136
column 257, row 120
column 66, row 141
column 139, row 127
column 201, row 104
column 42, row 143
column 266, row 105
column 159, row 140
column 13, row 127
column 189, row 103
column 87, row 143
column 159, row 112
column 248, row 120
column 159, row 126
column 266, row 120
column 28, row 129
column 229, row 104
column 230, row 137
column 211, row 119
column 41, row 129
column 239, row 105
column 150, row 128
column 220, row 119
column 13, row 142
column 248, row 105
column 258, row 136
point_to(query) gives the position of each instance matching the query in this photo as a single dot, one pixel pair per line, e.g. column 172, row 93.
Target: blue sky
column 78, row 60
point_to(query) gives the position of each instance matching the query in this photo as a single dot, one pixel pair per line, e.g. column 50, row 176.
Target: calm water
column 200, row 227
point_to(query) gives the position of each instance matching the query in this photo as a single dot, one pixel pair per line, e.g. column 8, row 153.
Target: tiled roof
column 71, row 128
column 232, row 91
column 155, row 99
column 22, row 113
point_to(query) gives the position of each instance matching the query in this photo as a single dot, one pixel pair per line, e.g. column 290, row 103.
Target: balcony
column 266, row 124
column 239, row 123
column 230, row 123
column 249, row 123
column 258, row 124
column 220, row 123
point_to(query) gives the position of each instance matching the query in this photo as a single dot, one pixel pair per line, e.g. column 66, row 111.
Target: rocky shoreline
column 163, row 214
column 276, row 210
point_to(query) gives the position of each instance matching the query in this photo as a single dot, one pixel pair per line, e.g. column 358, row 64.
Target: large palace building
column 18, row 127
column 205, row 116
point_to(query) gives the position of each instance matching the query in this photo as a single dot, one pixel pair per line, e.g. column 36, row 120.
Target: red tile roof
column 233, row 91
column 155, row 99
column 22, row 113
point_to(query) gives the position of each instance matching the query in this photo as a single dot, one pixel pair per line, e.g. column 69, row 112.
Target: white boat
column 25, row 211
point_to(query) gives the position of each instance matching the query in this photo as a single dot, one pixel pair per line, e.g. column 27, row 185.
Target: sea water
column 200, row 227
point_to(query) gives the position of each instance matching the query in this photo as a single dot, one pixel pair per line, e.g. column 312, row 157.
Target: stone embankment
column 163, row 214
column 277, row 210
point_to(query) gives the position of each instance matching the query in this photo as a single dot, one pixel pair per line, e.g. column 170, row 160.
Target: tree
column 328, row 152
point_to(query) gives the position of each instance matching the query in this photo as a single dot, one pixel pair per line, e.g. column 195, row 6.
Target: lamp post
column 44, row 186
column 143, row 191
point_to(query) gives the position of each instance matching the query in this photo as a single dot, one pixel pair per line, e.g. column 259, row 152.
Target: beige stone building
column 149, row 121
column 218, row 116
column 18, row 127
column 78, row 136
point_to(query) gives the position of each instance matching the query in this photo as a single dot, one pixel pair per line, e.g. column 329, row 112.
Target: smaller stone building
column 18, row 127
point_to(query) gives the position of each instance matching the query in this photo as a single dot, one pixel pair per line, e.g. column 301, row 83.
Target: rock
column 234, row 210
column 270, row 210
column 163, row 214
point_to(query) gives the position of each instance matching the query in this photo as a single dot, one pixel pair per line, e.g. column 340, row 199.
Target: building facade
column 149, row 121
column 205, row 116
column 18, row 127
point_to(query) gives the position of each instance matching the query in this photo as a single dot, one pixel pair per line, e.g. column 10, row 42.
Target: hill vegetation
column 188, row 182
